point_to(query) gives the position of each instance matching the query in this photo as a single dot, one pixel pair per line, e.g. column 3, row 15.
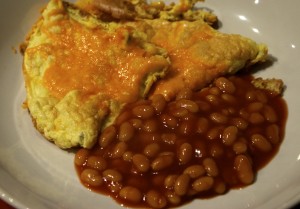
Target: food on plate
column 80, row 69
column 198, row 52
column 142, row 9
column 161, row 154
column 276, row 86
column 148, row 91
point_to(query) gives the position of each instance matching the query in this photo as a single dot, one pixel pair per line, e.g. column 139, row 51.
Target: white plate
column 36, row 174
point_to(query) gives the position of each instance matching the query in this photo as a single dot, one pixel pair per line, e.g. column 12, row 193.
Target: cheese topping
column 95, row 60
column 199, row 54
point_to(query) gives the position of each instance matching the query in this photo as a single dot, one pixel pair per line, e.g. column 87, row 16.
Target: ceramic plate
column 36, row 174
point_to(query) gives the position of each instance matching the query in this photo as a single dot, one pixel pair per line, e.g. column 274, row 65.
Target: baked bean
column 203, row 183
column 255, row 106
column 169, row 181
column 270, row 114
column 81, row 156
column 159, row 102
column 194, row 171
column 162, row 161
column 229, row 98
column 261, row 96
column 244, row 169
column 151, row 150
column 143, row 111
column 272, row 133
column 239, row 147
column 141, row 102
column 180, row 112
column 173, row 198
column 115, row 187
column 182, row 184
column 215, row 91
column 112, row 175
column 91, row 177
column 119, row 150
column 169, row 121
column 218, row 118
column 131, row 194
column 203, row 106
column 124, row 116
column 244, row 113
column 260, row 142
column 127, row 156
column 185, row 153
column 186, row 127
column 169, row 138
column 141, row 162
column 225, row 85
column 97, row 162
column 240, row 123
column 136, row 123
column 250, row 95
column 189, row 117
column 229, row 135
column 220, row 187
column 107, row 136
column 126, row 131
column 155, row 199
column 147, row 137
column 187, row 104
column 150, row 125
column 184, row 93
column 202, row 125
column 213, row 99
column 256, row 118
column 210, row 167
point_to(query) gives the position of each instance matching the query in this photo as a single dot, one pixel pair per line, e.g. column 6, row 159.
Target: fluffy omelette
column 80, row 70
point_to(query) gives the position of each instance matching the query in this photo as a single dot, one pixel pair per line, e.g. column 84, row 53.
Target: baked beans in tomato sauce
column 162, row 154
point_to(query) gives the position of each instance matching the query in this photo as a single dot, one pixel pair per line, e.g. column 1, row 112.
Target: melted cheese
column 95, row 60
column 199, row 54
column 79, row 71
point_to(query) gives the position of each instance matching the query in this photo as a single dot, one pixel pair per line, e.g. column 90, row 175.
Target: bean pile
column 162, row 154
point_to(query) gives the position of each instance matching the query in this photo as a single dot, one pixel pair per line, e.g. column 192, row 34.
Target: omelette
column 143, row 9
column 80, row 67
column 199, row 54
column 78, row 70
